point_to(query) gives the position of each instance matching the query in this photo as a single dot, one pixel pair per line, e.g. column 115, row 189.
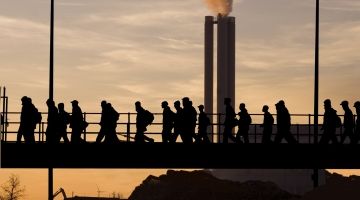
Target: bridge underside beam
column 131, row 155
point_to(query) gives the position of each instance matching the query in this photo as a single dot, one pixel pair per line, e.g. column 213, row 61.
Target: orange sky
column 84, row 182
column 124, row 51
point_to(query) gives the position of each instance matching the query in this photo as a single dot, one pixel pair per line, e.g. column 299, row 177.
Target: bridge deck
column 158, row 155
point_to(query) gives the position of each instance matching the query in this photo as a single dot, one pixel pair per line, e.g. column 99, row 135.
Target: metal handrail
column 302, row 132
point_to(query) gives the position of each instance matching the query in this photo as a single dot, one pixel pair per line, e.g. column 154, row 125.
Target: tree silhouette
column 12, row 189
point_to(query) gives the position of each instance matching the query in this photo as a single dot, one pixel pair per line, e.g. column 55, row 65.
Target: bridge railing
column 302, row 127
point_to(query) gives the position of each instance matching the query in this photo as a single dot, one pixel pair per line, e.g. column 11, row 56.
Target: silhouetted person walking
column 64, row 120
column 113, row 117
column 25, row 119
column 178, row 122
column 267, row 125
column 348, row 124
column 52, row 122
column 230, row 121
column 189, row 120
column 357, row 126
column 204, row 122
column 28, row 119
column 143, row 119
column 329, row 124
column 104, row 122
column 76, row 123
column 168, row 122
column 283, row 124
column 243, row 125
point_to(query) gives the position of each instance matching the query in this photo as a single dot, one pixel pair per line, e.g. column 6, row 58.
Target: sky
column 128, row 50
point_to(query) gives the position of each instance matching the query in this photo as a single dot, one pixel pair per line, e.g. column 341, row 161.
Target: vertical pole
column 128, row 128
column 51, row 77
column 316, row 90
column 2, row 113
column 1, row 128
column 51, row 84
column 85, row 133
column 6, row 115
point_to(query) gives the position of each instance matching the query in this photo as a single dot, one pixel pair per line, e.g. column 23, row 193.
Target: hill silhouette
column 336, row 187
column 181, row 185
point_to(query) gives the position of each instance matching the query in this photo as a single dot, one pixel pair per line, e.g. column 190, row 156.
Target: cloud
column 154, row 51
column 14, row 28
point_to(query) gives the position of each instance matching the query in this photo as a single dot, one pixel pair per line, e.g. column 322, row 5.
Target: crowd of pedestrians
column 182, row 122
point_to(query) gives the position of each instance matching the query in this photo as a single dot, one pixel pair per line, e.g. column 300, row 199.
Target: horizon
column 127, row 51
column 128, row 179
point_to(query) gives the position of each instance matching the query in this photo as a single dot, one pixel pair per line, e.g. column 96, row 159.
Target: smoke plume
column 223, row 7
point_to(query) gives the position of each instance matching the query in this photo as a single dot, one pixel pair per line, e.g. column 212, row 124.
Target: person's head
column 357, row 104
column 265, row 108
column 137, row 106
column 227, row 101
column 281, row 103
column 74, row 103
column 50, row 102
column 327, row 104
column 61, row 106
column 201, row 108
column 24, row 100
column 177, row 104
column 185, row 101
column 345, row 104
column 242, row 106
column 103, row 104
column 164, row 104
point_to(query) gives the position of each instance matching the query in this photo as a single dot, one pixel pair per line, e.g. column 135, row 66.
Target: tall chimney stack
column 209, row 65
column 225, row 63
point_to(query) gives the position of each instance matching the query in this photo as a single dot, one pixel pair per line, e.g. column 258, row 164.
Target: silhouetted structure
column 64, row 120
column 178, row 122
column 52, row 122
column 77, row 123
column 143, row 119
column 28, row 120
column 357, row 126
column 230, row 121
column 267, row 125
column 204, row 122
column 189, row 120
column 348, row 124
column 283, row 124
column 329, row 124
column 243, row 124
column 167, row 122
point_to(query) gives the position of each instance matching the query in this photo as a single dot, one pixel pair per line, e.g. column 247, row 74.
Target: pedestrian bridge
column 128, row 154
column 159, row 155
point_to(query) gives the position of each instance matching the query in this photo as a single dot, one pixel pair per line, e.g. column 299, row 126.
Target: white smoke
column 224, row 7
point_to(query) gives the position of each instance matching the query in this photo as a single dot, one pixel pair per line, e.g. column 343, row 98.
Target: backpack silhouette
column 38, row 116
column 149, row 117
